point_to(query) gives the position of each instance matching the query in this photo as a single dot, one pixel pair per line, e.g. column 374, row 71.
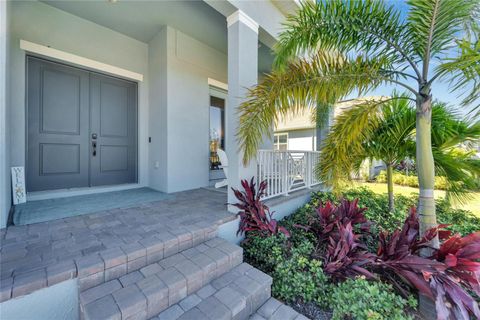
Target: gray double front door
column 81, row 128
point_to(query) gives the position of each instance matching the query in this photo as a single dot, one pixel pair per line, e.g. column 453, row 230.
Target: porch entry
column 81, row 127
column 218, row 100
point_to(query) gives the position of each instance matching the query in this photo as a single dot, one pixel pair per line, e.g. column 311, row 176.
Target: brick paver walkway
column 43, row 254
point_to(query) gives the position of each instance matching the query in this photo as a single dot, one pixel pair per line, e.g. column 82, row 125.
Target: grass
column 472, row 205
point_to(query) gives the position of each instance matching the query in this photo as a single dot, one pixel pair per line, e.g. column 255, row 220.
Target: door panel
column 58, row 126
column 113, row 119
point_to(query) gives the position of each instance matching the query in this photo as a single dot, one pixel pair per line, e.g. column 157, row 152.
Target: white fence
column 287, row 171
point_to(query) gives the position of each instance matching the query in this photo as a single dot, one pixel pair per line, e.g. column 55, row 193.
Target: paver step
column 94, row 256
column 235, row 295
column 144, row 293
column 275, row 310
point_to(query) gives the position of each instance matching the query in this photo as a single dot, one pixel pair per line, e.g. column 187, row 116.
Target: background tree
column 389, row 135
column 360, row 45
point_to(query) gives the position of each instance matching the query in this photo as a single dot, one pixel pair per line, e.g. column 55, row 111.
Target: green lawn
column 472, row 205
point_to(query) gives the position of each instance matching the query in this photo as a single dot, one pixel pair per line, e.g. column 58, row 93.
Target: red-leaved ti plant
column 444, row 276
column 254, row 214
column 345, row 256
column 329, row 217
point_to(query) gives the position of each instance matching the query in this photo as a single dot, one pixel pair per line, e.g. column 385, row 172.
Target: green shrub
column 376, row 204
column 410, row 181
column 264, row 252
column 301, row 278
column 461, row 221
column 360, row 299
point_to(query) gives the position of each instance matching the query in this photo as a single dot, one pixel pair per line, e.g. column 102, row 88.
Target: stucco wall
column 58, row 302
column 179, row 121
column 5, row 199
column 304, row 140
column 45, row 25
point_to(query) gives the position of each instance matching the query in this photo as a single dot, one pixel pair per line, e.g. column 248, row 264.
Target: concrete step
column 235, row 295
column 276, row 310
column 144, row 293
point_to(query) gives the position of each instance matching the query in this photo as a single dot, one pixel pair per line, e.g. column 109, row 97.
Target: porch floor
column 30, row 253
column 52, row 209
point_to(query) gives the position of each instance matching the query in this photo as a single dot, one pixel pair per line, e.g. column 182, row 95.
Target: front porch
column 163, row 259
column 42, row 254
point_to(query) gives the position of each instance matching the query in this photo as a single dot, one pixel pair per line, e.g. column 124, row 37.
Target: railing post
column 285, row 173
column 308, row 171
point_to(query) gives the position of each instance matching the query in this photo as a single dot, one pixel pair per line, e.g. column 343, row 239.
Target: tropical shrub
column 367, row 300
column 332, row 241
column 441, row 183
column 254, row 214
column 301, row 278
column 265, row 252
column 459, row 221
column 446, row 276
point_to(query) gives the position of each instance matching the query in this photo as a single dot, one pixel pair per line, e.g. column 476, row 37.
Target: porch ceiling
column 142, row 20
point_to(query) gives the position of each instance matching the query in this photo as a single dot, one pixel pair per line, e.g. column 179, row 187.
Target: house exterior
column 110, row 95
column 299, row 132
column 105, row 97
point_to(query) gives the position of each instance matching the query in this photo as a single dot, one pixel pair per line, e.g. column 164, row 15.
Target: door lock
column 94, row 144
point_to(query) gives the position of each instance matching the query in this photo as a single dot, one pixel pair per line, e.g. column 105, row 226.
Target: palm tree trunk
column 425, row 166
column 390, row 187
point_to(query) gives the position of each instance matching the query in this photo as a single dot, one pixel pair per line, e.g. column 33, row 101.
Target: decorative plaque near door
column 18, row 185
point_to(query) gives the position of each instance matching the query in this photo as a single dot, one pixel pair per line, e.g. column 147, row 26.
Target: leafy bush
column 254, row 214
column 376, row 206
column 459, row 221
column 410, row 181
column 337, row 246
column 301, row 278
column 445, row 277
column 360, row 299
column 265, row 252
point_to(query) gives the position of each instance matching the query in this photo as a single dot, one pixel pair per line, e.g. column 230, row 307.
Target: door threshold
column 71, row 192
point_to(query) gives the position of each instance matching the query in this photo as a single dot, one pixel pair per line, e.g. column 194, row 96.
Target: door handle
column 94, row 144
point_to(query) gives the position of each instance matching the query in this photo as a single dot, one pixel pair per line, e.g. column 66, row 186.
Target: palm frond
column 434, row 23
column 324, row 78
column 463, row 72
column 367, row 26
column 353, row 138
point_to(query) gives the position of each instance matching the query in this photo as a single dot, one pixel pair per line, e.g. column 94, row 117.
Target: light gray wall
column 158, row 101
column 183, row 111
column 45, row 25
column 58, row 302
column 302, row 139
column 5, row 198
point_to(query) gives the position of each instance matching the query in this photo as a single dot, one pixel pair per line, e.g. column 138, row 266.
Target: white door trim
column 76, row 60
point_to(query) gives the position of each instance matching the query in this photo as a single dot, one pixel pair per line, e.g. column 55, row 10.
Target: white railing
column 287, row 171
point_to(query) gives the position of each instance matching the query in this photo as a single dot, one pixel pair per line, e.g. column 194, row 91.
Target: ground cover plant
column 336, row 248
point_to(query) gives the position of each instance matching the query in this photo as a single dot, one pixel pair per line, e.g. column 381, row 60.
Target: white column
column 242, row 74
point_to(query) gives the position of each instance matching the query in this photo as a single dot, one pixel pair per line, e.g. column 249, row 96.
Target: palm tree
column 347, row 45
column 389, row 135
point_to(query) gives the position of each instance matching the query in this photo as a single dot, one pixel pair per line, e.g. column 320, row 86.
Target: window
column 280, row 141
column 217, row 129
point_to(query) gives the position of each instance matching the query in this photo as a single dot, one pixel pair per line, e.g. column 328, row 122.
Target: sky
column 440, row 90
